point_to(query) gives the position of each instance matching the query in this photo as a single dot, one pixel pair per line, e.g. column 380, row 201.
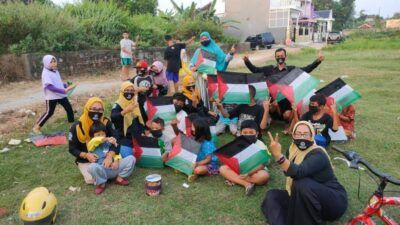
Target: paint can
column 153, row 185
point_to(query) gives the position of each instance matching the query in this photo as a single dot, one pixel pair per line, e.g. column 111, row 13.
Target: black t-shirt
column 145, row 81
column 321, row 126
column 173, row 56
column 246, row 112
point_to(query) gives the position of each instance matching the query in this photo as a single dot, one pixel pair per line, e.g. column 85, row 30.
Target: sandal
column 229, row 183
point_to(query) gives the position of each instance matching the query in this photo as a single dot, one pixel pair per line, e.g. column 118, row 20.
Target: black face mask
column 191, row 88
column 205, row 43
column 250, row 138
column 156, row 133
column 141, row 72
column 178, row 108
column 302, row 144
column 313, row 109
column 128, row 96
column 95, row 116
column 280, row 61
column 152, row 73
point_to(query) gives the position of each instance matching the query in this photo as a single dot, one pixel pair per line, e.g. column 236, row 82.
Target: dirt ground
column 21, row 103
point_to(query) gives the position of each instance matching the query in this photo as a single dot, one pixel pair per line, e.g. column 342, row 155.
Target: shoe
column 100, row 189
column 36, row 130
column 192, row 178
column 122, row 182
column 250, row 189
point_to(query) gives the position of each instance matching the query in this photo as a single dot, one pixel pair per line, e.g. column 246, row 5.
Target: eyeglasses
column 96, row 110
column 301, row 135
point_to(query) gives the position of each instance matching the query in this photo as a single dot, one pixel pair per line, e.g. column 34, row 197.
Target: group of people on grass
column 312, row 194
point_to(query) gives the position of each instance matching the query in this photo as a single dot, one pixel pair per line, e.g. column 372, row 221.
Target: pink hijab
column 160, row 79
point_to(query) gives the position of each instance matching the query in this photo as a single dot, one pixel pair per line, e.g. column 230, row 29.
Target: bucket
column 152, row 184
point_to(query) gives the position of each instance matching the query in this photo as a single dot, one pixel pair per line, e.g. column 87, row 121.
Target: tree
column 343, row 11
column 396, row 16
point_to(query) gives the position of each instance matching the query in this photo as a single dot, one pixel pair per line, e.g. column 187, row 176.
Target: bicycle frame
column 374, row 208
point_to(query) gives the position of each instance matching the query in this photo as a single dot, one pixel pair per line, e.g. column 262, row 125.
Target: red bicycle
column 377, row 200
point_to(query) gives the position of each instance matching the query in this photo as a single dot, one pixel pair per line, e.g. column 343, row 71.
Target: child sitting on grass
column 259, row 176
column 207, row 163
column 102, row 170
column 157, row 126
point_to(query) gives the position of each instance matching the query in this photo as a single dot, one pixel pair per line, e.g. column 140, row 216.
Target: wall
column 252, row 15
column 29, row 66
column 279, row 34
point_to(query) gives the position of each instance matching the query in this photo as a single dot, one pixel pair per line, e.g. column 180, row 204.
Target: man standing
column 172, row 55
column 127, row 45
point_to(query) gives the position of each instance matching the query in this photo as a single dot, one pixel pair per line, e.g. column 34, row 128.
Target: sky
column 386, row 8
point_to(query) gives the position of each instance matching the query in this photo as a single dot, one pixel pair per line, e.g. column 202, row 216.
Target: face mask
column 95, row 116
column 190, row 88
column 250, row 138
column 141, row 72
column 313, row 109
column 152, row 73
column 128, row 96
column 302, row 144
column 280, row 61
column 178, row 108
column 205, row 43
column 156, row 133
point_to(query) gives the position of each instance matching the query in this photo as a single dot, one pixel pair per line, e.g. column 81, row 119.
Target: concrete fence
column 29, row 66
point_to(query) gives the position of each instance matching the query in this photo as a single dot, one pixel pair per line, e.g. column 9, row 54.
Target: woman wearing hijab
column 160, row 82
column 215, row 57
column 79, row 137
column 313, row 195
column 126, row 116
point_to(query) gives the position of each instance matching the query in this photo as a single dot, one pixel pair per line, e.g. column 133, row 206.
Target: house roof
column 323, row 14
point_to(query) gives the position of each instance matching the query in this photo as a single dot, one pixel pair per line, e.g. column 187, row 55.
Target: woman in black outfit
column 313, row 195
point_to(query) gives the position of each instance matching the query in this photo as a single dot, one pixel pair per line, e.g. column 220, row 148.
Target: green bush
column 38, row 28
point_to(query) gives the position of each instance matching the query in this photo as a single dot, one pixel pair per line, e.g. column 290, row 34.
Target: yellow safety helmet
column 39, row 207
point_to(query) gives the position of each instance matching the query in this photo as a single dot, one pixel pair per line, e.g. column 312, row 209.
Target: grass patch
column 375, row 73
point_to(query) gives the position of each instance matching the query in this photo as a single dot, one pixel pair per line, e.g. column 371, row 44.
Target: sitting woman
column 259, row 176
column 79, row 137
column 126, row 117
column 160, row 83
column 313, row 195
column 194, row 102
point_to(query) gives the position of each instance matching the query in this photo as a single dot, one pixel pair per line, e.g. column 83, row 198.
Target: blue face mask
column 206, row 43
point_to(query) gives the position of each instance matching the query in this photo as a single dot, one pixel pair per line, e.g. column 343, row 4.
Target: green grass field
column 373, row 71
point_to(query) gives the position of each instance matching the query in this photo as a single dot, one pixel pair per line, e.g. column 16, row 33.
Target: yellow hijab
column 297, row 156
column 189, row 79
column 86, row 122
column 123, row 102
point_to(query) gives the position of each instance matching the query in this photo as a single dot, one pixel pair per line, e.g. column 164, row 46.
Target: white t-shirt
column 126, row 44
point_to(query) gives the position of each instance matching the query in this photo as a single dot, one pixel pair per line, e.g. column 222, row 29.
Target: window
column 278, row 18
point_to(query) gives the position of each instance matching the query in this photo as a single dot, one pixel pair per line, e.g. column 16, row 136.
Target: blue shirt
column 101, row 152
column 207, row 148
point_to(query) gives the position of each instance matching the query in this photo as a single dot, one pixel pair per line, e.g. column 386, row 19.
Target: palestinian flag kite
column 272, row 80
column 242, row 156
column 212, row 86
column 340, row 93
column 183, row 154
column 258, row 81
column 296, row 85
column 233, row 87
column 148, row 152
column 57, row 138
column 161, row 107
column 206, row 62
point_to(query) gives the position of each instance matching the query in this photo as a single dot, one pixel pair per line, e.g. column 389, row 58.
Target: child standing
column 55, row 92
column 207, row 163
column 143, row 83
column 100, row 146
column 160, row 82
column 126, row 54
